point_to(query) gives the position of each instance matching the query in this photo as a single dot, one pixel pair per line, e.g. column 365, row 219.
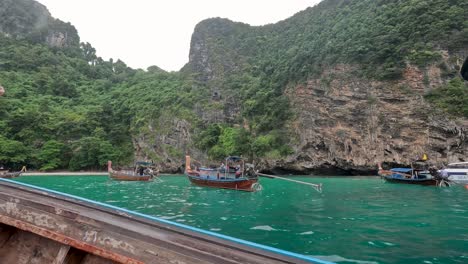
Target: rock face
column 346, row 124
column 60, row 38
column 213, row 51
column 166, row 142
column 27, row 19
column 215, row 56
column 21, row 17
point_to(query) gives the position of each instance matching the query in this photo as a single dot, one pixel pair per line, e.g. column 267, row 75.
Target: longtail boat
column 43, row 226
column 418, row 174
column 10, row 175
column 143, row 171
column 233, row 175
column 6, row 174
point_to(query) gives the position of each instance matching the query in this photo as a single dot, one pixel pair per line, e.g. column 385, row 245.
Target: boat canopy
column 403, row 170
column 234, row 158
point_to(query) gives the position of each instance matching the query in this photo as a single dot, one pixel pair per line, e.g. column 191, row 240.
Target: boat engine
column 250, row 171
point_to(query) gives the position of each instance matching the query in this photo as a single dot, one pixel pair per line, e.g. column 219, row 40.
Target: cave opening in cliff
column 464, row 70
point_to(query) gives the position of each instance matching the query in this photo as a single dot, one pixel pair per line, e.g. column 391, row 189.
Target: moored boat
column 417, row 174
column 232, row 175
column 143, row 171
column 455, row 172
column 10, row 175
column 6, row 174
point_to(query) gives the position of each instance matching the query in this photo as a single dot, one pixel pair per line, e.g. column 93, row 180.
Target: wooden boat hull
column 122, row 175
column 43, row 226
column 405, row 178
column 233, row 184
column 429, row 182
column 126, row 177
column 10, row 175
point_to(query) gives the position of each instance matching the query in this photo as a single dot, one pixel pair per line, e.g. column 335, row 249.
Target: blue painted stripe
column 202, row 231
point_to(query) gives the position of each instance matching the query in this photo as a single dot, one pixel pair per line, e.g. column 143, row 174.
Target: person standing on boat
column 444, row 173
column 237, row 171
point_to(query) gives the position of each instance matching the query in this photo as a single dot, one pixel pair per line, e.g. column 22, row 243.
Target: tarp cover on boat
column 401, row 170
column 234, row 158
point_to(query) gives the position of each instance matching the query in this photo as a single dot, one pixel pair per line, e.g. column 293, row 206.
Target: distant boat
column 8, row 175
column 455, row 172
column 417, row 174
column 232, row 174
column 143, row 171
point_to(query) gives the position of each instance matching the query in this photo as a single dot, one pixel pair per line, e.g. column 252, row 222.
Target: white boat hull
column 456, row 172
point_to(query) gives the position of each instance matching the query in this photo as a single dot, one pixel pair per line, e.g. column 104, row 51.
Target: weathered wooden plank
column 92, row 259
column 115, row 235
column 61, row 255
column 55, row 236
column 169, row 237
column 27, row 248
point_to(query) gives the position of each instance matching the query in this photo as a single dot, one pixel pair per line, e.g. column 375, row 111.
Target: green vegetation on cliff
column 67, row 108
column 54, row 114
column 257, row 64
column 452, row 97
column 380, row 35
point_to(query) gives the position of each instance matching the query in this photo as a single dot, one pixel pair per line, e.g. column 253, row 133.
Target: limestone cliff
column 346, row 120
column 333, row 89
column 166, row 141
column 26, row 19
column 346, row 123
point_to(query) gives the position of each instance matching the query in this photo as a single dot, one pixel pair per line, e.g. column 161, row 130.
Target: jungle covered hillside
column 242, row 92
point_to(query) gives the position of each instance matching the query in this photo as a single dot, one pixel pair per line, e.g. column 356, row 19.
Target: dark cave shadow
column 464, row 70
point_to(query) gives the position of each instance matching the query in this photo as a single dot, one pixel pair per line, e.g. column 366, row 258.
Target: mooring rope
column 317, row 187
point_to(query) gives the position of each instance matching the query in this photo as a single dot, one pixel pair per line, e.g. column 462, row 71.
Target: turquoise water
column 354, row 220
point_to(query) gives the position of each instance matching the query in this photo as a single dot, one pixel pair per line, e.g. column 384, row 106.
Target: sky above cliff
column 148, row 32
